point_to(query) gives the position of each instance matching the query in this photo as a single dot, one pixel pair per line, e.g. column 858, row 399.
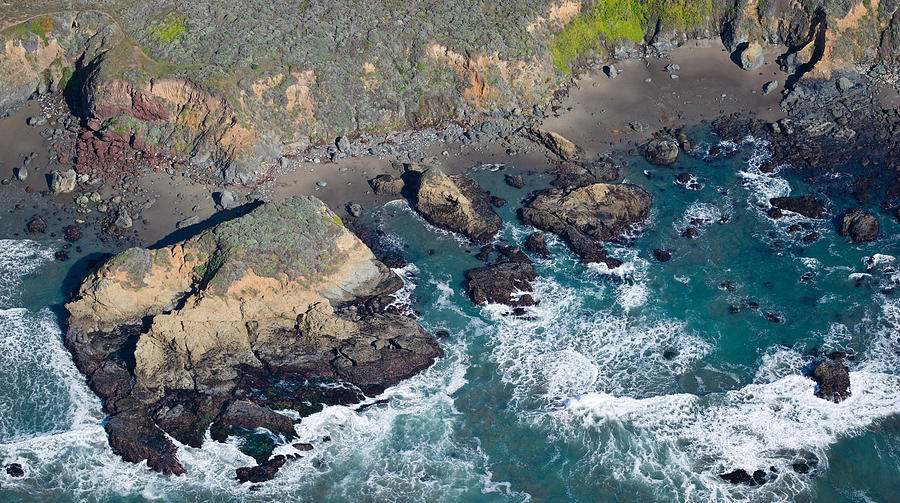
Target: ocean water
column 632, row 384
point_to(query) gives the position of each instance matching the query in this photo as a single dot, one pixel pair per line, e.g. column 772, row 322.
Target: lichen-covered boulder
column 454, row 203
column 661, row 151
column 202, row 332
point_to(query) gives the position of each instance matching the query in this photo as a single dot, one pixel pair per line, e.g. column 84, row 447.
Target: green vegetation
column 170, row 28
column 608, row 22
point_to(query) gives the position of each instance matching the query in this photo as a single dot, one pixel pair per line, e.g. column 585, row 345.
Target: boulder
column 62, row 182
column 15, row 470
column 455, row 203
column 752, row 56
column 250, row 315
column 769, row 86
column 354, row 210
column 860, row 225
column 123, row 220
column 227, row 200
column 809, row 206
column 662, row 255
column 661, row 151
column 237, row 173
column 586, row 215
column 555, row 143
column 387, row 185
column 514, row 181
column 537, row 244
column 833, row 379
column 503, row 283
column 261, row 472
column 37, row 224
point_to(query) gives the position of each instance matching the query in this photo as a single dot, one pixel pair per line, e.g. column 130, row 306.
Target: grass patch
column 610, row 21
column 170, row 28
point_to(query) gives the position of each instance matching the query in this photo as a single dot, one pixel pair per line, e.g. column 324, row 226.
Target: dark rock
column 811, row 237
column 775, row 213
column 739, row 476
column 72, row 233
column 61, row 255
column 536, row 243
column 302, row 446
column 135, row 439
column 586, row 215
column 690, row 233
column 485, row 252
column 262, row 472
column 833, row 379
column 250, row 416
column 514, row 181
column 661, row 151
column 498, row 202
column 498, row 283
column 15, row 470
column 662, row 255
column 37, row 224
column 860, row 225
column 571, row 175
column 808, row 206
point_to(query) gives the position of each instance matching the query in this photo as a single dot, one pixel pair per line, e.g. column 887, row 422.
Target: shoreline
column 601, row 115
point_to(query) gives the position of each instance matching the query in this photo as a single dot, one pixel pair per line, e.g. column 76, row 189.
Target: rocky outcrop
column 279, row 309
column 860, row 225
column 505, row 282
column 586, row 215
column 833, row 379
column 386, row 185
column 455, row 203
column 808, row 206
column 537, row 244
column 661, row 151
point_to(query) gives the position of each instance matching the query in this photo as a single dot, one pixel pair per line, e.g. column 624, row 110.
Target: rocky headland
column 282, row 308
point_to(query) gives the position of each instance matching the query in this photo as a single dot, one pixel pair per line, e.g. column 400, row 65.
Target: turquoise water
column 635, row 384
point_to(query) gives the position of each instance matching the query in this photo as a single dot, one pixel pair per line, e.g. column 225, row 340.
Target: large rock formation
column 455, row 203
column 282, row 308
column 585, row 215
column 860, row 225
column 506, row 282
column 661, row 151
column 809, row 206
column 833, row 378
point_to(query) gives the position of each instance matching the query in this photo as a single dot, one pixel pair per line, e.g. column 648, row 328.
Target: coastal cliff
column 282, row 308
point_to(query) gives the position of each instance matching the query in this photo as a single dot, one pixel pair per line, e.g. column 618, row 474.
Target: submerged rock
column 37, row 224
column 205, row 330
column 586, row 215
column 661, row 151
column 833, row 378
column 454, row 203
column 860, row 225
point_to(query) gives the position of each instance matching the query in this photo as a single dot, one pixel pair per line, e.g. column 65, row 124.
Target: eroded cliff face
column 258, row 309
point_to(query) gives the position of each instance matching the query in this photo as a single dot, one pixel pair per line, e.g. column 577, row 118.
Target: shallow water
column 636, row 384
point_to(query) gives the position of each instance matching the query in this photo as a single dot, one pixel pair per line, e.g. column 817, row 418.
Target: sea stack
column 200, row 333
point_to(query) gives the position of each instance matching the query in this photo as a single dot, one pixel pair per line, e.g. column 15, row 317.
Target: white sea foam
column 19, row 258
column 403, row 299
column 687, row 441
